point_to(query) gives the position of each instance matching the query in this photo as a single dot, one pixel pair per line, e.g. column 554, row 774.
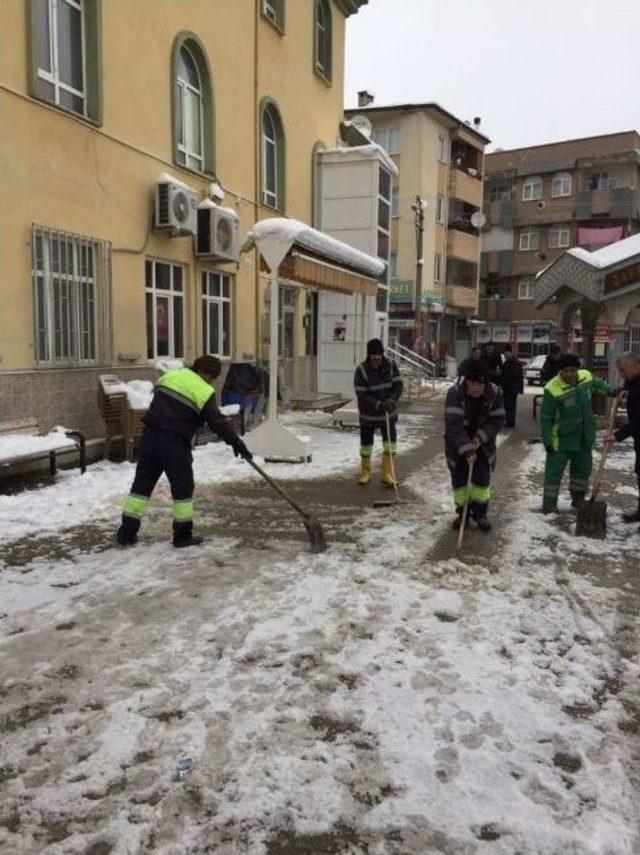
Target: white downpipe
column 272, row 413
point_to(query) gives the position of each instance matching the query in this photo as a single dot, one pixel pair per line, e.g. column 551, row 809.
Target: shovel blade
column 592, row 519
column 315, row 533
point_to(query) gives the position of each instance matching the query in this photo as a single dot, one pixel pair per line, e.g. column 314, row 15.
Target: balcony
column 463, row 245
column 460, row 297
column 464, row 185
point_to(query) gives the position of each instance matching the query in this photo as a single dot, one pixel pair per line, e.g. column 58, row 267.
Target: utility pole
column 418, row 210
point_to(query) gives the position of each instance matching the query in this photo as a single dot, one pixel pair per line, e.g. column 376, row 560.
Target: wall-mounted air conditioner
column 175, row 208
column 218, row 233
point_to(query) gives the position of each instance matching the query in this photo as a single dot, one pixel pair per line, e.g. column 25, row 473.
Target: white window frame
column 381, row 229
column 320, row 27
column 527, row 237
column 81, row 290
column 440, row 209
column 269, row 196
column 173, row 295
column 526, row 288
column 437, row 267
column 183, row 88
column 395, row 202
column 53, row 76
column 500, row 193
column 562, row 185
column 393, row 264
column 273, row 12
column 220, row 301
column 559, row 236
column 443, row 148
column 532, row 189
column 389, row 138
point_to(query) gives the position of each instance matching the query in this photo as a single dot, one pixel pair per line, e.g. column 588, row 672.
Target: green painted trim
column 350, row 7
column 193, row 43
column 93, row 61
column 280, row 25
column 326, row 78
column 281, row 207
column 316, row 193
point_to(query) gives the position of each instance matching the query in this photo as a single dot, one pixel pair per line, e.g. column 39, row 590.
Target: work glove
column 240, row 449
column 388, row 406
column 549, row 449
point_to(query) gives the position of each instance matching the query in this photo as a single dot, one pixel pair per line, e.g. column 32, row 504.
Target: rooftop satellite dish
column 478, row 219
column 363, row 124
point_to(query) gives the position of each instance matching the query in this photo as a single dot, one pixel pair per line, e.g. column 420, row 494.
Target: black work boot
column 458, row 520
column 127, row 534
column 577, row 498
column 183, row 535
column 483, row 523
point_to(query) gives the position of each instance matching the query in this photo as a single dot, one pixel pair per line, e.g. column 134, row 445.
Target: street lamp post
column 418, row 210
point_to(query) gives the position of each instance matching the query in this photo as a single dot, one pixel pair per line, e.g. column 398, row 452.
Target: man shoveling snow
column 183, row 401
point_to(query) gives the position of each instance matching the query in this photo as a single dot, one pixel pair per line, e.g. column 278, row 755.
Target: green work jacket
column 567, row 422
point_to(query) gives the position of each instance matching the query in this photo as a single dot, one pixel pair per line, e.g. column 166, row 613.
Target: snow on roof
column 369, row 149
column 615, row 253
column 293, row 231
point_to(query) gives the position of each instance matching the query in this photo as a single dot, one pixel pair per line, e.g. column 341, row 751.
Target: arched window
column 272, row 161
column 532, row 188
column 561, row 185
column 559, row 236
column 193, row 106
column 323, row 38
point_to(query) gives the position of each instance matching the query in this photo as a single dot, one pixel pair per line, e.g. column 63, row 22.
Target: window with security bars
column 164, row 299
column 71, row 276
column 216, row 314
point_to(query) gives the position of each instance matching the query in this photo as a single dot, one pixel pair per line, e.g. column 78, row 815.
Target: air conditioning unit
column 541, row 205
column 218, row 233
column 175, row 208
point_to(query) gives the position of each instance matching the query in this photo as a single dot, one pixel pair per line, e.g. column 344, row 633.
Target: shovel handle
column 465, row 510
column 605, row 451
column 393, row 465
column 278, row 489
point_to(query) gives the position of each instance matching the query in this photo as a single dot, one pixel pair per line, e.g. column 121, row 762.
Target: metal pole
column 273, row 346
column 418, row 210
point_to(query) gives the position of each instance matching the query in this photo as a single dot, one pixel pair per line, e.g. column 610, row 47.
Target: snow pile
column 230, row 409
column 19, row 445
column 139, row 392
column 165, row 363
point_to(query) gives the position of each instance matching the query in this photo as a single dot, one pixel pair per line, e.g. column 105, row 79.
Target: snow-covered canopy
column 372, row 148
column 615, row 253
column 286, row 233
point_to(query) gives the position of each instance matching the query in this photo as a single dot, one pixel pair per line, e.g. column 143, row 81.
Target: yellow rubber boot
column 365, row 471
column 386, row 475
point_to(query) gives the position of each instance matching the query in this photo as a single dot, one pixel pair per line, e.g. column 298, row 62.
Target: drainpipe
column 256, row 194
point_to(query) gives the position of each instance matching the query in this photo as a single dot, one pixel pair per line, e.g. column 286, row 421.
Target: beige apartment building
column 123, row 123
column 541, row 201
column 441, row 162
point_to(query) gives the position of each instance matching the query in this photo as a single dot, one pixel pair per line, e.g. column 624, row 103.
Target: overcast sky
column 534, row 70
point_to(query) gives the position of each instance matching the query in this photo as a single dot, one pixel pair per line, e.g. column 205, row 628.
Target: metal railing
column 418, row 370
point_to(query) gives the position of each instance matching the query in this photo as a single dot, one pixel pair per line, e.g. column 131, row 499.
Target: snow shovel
column 592, row 513
column 315, row 532
column 386, row 503
column 465, row 510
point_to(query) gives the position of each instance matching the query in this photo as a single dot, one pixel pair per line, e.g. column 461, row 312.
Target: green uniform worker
column 568, row 429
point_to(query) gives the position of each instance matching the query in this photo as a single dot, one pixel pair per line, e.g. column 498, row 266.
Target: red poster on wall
column 602, row 334
column 513, row 336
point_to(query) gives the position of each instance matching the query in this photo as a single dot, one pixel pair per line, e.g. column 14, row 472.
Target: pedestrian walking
column 378, row 388
column 551, row 365
column 568, row 430
column 474, row 413
column 183, row 401
column 629, row 368
column 512, row 385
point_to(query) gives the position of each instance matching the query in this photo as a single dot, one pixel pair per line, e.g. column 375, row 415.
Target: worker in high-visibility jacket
column 568, row 430
column 183, row 401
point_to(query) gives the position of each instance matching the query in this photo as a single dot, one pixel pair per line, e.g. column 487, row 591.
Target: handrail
column 404, row 353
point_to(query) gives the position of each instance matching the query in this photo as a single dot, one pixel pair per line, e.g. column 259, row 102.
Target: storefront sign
column 401, row 291
column 540, row 335
column 525, row 335
column 483, row 335
column 621, row 278
column 602, row 334
column 500, row 335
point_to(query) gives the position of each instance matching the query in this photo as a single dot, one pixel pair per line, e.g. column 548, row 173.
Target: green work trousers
column 580, row 465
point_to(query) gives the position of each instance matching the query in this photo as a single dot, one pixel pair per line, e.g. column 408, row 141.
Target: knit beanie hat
column 476, row 371
column 569, row 360
column 208, row 365
column 375, row 347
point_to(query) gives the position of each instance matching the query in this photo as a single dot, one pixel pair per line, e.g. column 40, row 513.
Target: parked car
column 533, row 370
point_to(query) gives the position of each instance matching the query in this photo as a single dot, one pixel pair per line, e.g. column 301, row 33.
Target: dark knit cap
column 375, row 346
column 208, row 365
column 569, row 360
column 476, row 371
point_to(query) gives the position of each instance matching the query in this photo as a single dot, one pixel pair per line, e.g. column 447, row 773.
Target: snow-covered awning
column 311, row 257
column 596, row 275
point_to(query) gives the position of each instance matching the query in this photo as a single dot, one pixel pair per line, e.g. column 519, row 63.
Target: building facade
column 440, row 160
column 102, row 102
column 539, row 202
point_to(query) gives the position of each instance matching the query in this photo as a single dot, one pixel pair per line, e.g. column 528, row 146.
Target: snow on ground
column 385, row 696
column 18, row 445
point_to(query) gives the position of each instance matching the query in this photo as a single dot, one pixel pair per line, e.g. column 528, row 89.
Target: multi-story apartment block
column 440, row 160
column 120, row 121
column 539, row 202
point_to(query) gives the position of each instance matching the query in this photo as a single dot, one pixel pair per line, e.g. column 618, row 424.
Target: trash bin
column 245, row 384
